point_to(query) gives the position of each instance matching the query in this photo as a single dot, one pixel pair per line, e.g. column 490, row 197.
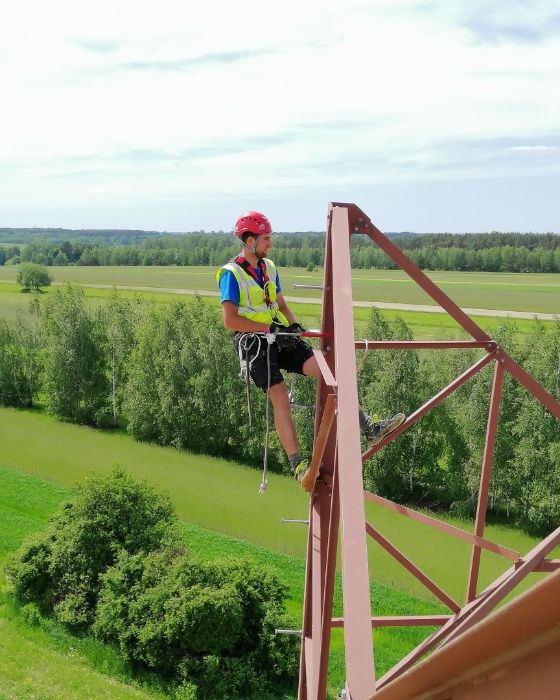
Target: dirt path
column 500, row 313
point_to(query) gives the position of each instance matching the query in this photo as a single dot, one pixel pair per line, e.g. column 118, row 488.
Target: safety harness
column 250, row 270
column 245, row 343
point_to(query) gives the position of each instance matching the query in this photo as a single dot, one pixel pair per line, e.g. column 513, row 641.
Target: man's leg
column 283, row 422
column 374, row 432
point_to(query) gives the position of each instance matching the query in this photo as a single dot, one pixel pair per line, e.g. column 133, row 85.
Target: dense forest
column 472, row 252
column 169, row 374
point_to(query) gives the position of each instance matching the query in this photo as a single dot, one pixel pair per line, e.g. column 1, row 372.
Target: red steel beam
column 330, row 573
column 491, row 654
column 412, row 568
column 507, row 582
column 400, row 621
column 358, row 641
column 444, row 527
column 328, row 377
column 423, row 344
column 480, row 519
column 426, row 283
column 310, row 674
column 434, row 401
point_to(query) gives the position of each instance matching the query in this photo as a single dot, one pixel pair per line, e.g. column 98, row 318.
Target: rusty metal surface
column 512, row 655
column 337, row 500
column 486, row 472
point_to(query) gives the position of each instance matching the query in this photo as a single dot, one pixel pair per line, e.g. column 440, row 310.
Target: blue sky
column 431, row 115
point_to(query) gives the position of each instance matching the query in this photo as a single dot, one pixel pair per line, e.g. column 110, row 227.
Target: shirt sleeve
column 229, row 288
column 278, row 287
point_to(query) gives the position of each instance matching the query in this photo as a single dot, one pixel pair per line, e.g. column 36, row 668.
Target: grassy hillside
column 40, row 659
column 223, row 497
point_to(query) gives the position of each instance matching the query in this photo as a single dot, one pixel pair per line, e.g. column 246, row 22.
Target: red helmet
column 252, row 222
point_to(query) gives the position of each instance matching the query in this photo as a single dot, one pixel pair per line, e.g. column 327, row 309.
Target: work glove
column 284, row 341
column 296, row 328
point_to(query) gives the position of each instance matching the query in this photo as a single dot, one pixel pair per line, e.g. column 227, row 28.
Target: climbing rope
column 270, row 337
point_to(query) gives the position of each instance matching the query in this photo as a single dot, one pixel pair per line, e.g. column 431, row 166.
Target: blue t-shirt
column 229, row 288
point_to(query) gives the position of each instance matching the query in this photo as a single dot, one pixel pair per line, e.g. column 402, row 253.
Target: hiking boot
column 384, row 427
column 300, row 471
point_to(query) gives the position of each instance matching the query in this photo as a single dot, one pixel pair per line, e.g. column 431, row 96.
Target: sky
column 430, row 115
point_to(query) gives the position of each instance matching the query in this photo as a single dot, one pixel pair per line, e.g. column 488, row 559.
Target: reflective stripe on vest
column 252, row 302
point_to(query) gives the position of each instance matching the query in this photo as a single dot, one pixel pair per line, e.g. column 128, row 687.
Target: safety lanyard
column 250, row 270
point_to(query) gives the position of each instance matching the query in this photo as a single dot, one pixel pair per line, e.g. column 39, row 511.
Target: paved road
column 367, row 304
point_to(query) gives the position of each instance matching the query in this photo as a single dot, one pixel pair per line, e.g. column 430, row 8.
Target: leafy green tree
column 76, row 384
column 60, row 568
column 32, row 277
column 537, row 433
column 391, row 381
column 184, row 389
column 116, row 321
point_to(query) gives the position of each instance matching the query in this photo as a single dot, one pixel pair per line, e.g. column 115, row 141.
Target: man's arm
column 234, row 322
column 285, row 309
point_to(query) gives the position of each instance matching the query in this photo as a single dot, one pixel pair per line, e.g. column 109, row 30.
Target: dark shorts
column 254, row 348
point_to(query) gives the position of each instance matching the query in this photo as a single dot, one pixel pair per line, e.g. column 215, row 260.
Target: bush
column 61, row 568
column 112, row 561
column 211, row 623
column 32, row 277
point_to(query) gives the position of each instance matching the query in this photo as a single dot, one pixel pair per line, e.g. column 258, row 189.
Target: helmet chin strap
column 251, row 248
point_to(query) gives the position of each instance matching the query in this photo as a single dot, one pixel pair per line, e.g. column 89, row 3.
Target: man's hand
column 283, row 339
column 296, row 328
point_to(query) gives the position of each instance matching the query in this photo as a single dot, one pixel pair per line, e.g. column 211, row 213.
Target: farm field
column 481, row 290
column 505, row 292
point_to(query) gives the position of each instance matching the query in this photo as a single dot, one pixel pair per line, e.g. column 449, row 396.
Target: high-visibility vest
column 252, row 299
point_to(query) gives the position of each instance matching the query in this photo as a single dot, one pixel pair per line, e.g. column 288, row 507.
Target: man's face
column 263, row 244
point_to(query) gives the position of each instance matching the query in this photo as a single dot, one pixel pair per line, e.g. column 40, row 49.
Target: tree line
column 490, row 252
column 168, row 374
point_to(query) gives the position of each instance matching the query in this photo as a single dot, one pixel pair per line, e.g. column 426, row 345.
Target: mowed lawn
column 480, row 290
column 223, row 497
column 537, row 293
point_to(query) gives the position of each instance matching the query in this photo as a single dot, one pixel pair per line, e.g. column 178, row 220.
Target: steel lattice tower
column 337, row 504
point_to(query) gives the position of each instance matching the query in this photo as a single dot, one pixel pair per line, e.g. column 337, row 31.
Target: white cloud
column 127, row 101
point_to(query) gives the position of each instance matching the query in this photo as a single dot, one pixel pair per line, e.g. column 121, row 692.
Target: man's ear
column 251, row 243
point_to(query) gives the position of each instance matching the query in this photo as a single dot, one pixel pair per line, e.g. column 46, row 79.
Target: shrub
column 211, row 623
column 112, row 561
column 60, row 569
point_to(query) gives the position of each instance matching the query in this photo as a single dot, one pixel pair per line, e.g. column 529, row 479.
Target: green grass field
column 481, row 290
column 503, row 291
column 223, row 497
column 223, row 514
column 43, row 660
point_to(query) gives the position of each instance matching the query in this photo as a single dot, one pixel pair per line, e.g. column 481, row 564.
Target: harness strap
column 250, row 270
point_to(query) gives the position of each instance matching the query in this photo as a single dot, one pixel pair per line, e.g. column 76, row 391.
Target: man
column 253, row 306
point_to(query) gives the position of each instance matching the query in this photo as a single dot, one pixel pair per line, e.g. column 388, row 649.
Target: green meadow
column 223, row 497
column 223, row 515
column 537, row 293
column 480, row 290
